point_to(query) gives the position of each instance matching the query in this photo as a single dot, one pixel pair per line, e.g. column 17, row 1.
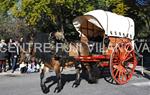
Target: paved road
column 28, row 84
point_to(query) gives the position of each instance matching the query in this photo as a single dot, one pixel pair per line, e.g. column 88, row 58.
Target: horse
column 56, row 62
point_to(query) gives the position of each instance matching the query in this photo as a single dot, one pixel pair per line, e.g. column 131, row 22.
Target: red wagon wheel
column 122, row 63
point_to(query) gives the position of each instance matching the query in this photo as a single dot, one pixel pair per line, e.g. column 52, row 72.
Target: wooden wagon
column 116, row 34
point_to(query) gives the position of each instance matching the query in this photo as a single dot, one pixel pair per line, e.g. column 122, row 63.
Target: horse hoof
column 44, row 89
column 57, row 89
column 92, row 81
column 76, row 84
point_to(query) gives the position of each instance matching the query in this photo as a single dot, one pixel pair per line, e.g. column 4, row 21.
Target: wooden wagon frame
column 117, row 33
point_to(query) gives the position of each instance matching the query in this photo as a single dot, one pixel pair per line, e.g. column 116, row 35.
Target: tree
column 5, row 6
column 12, row 27
column 55, row 11
column 116, row 6
column 57, row 15
column 141, row 17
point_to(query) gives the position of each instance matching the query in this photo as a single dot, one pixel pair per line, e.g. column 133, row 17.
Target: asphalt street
column 29, row 84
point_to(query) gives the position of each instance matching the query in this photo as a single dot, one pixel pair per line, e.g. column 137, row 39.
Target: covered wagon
column 116, row 33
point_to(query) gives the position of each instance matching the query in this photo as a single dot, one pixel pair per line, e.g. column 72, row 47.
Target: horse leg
column 43, row 86
column 77, row 81
column 90, row 76
column 58, row 76
column 42, row 75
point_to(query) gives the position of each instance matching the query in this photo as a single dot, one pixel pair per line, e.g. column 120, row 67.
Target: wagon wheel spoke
column 117, row 72
column 127, row 59
column 128, row 73
column 128, row 63
column 129, row 67
column 124, row 76
column 128, row 53
column 128, row 47
column 121, row 76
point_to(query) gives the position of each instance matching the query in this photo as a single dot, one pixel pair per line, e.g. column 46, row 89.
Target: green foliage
column 31, row 10
column 121, row 8
column 11, row 27
column 47, row 13
column 116, row 6
column 57, row 15
column 141, row 17
column 5, row 5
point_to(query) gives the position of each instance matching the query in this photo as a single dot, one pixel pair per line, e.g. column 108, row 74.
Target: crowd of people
column 10, row 58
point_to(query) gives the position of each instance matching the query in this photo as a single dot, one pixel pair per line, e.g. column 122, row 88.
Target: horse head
column 56, row 38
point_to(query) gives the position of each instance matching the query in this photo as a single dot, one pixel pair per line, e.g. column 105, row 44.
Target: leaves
column 52, row 15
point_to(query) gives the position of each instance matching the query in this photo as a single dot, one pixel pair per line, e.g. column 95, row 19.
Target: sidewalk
column 17, row 72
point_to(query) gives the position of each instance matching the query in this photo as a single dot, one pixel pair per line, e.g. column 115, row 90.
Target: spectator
column 15, row 51
column 23, row 67
column 32, row 66
column 3, row 55
column 9, row 42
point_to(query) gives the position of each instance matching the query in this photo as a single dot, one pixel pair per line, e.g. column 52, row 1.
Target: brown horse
column 75, row 49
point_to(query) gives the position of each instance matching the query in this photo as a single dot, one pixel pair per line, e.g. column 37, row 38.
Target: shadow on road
column 105, row 73
column 51, row 81
column 66, row 78
column 102, row 73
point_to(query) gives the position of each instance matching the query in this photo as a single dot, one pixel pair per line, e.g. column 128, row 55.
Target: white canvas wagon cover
column 111, row 23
